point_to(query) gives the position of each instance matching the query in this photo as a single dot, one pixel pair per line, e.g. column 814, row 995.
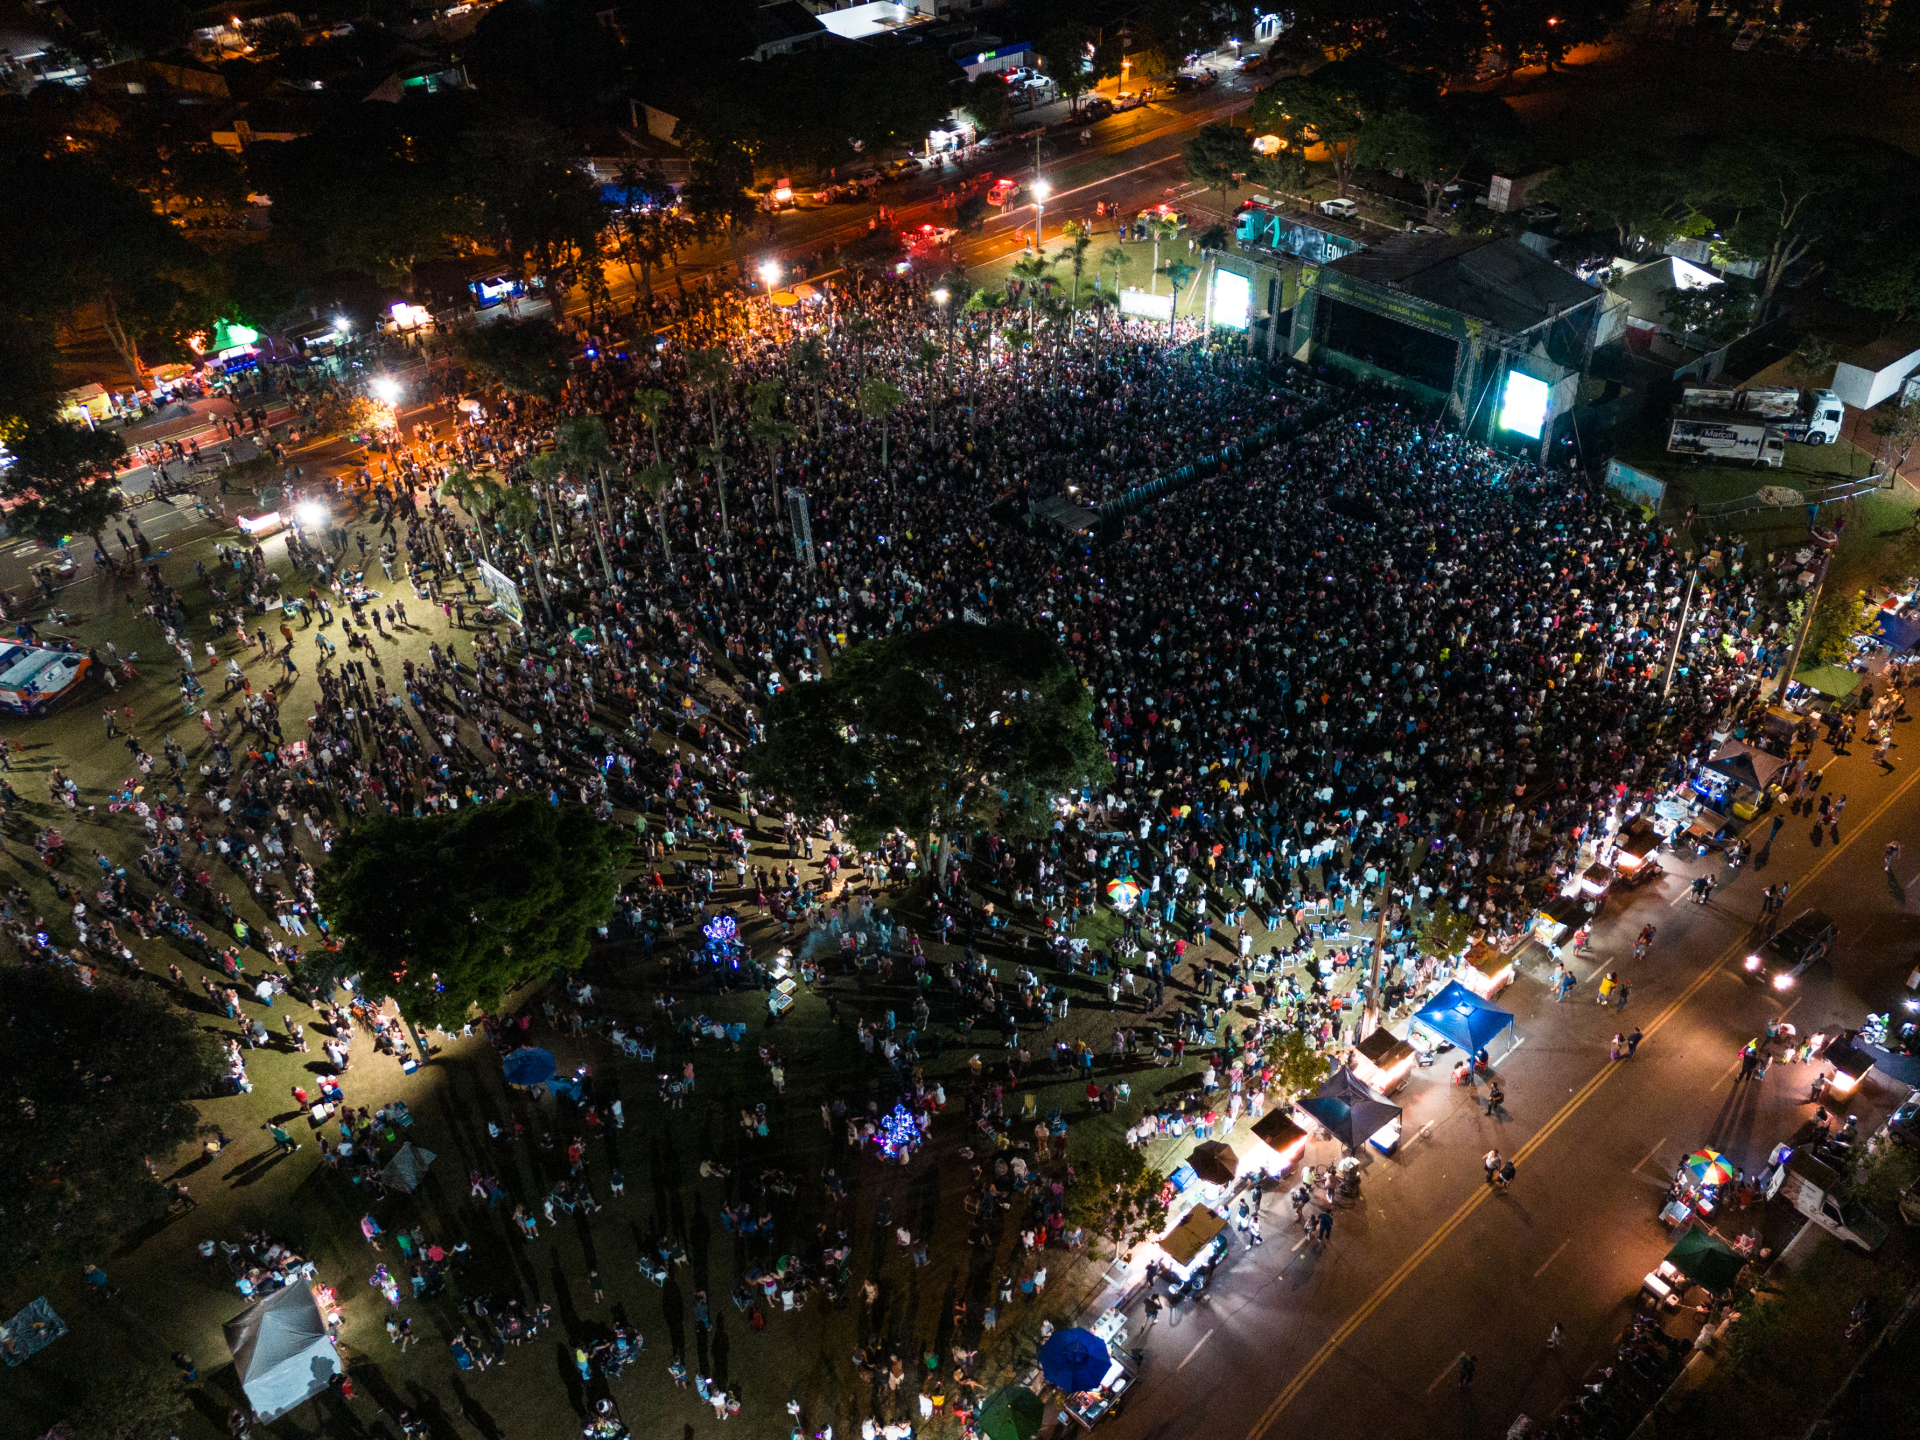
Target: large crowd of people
column 1367, row 672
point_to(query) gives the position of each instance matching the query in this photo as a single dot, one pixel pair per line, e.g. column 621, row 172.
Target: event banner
column 505, row 592
column 1390, row 303
column 1150, row 307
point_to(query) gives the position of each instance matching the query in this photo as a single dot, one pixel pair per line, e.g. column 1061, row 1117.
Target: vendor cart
column 1636, row 852
column 1556, row 920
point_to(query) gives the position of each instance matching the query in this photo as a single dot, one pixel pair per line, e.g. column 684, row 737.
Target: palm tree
column 711, row 371
column 878, row 400
column 1081, row 233
column 479, row 496
column 648, row 407
column 929, row 355
column 1179, row 273
column 1163, row 227
column 583, row 448
column 1100, row 304
column 767, row 428
column 1034, row 270
column 654, row 482
column 1115, row 256
column 811, row 361
column 519, row 513
column 859, row 329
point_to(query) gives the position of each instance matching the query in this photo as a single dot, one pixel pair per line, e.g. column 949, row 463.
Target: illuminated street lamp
column 770, row 273
column 940, row 296
column 1041, row 190
column 385, row 387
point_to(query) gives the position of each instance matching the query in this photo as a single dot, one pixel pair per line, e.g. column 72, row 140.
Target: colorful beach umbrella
column 1123, row 895
column 1709, row 1167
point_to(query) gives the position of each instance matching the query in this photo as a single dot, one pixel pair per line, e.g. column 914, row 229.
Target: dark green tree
column 1116, row 1196
column 1434, row 143
column 448, row 912
column 1645, row 199
column 78, row 240
column 526, row 357
column 957, row 726
column 1778, row 197
column 1883, row 277
column 62, row 480
column 376, row 190
column 1329, row 107
column 1218, row 156
column 715, row 196
column 97, row 1079
column 1297, row 1066
column 540, row 210
column 1899, row 40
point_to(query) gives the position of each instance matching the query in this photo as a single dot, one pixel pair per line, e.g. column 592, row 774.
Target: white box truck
column 1812, row 417
column 1750, row 442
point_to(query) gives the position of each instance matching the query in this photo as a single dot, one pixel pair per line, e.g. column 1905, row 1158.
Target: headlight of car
column 1783, row 982
column 1753, row 964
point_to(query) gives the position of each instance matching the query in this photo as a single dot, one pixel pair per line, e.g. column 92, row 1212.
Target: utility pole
column 1806, row 627
column 1680, row 634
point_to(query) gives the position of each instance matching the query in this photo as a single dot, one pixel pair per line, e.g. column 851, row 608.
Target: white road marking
column 1648, row 1156
column 1195, row 1350
column 1551, row 1258
column 1449, row 1368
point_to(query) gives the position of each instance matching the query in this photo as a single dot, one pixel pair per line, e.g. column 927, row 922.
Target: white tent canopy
column 282, row 1351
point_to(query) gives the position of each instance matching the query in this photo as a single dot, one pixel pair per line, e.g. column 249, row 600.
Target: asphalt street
column 1428, row 1264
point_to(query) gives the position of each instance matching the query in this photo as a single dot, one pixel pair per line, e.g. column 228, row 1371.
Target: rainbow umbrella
column 1123, row 895
column 1709, row 1167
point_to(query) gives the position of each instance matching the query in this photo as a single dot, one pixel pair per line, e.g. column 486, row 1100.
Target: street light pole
column 1041, row 189
column 1679, row 634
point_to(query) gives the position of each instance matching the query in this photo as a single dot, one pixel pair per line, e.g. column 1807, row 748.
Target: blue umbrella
column 527, row 1066
column 1075, row 1360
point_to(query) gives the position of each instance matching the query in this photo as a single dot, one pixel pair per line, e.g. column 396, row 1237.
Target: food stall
column 1698, row 1188
column 1635, row 852
column 1593, row 883
column 1281, row 1134
column 1846, row 1063
column 1193, row 1244
column 1457, row 1016
column 1092, row 1380
column 1745, row 775
column 1483, row 969
column 1353, row 1113
column 1383, row 1060
column 1698, row 1257
column 1556, row 920
column 779, row 971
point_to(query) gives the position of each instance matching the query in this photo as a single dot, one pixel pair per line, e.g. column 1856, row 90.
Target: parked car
column 898, row 169
column 1097, row 107
column 1339, row 209
column 1807, row 938
column 1003, row 191
column 1541, row 214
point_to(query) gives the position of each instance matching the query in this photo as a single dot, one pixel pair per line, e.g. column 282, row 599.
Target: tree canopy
column 448, row 912
column 524, row 357
column 95, row 1079
column 960, row 725
column 63, row 479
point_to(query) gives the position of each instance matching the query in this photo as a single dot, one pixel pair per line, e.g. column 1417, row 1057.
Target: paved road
column 1364, row 1338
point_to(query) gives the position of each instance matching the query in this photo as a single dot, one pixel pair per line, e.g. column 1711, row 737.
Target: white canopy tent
column 407, row 1168
column 282, row 1351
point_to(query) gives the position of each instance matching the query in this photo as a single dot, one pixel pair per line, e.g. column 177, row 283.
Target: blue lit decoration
column 899, row 1136
column 724, row 945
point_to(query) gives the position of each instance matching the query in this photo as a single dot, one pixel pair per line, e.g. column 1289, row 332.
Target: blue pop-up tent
column 1899, row 631
column 1462, row 1018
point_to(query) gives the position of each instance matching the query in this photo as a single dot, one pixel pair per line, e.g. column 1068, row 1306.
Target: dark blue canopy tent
column 1462, row 1018
column 1350, row 1109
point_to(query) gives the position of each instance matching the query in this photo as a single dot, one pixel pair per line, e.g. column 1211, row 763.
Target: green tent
column 1706, row 1260
column 1014, row 1413
column 1829, row 680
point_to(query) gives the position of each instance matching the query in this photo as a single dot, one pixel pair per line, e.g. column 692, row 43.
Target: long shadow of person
column 475, row 1413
